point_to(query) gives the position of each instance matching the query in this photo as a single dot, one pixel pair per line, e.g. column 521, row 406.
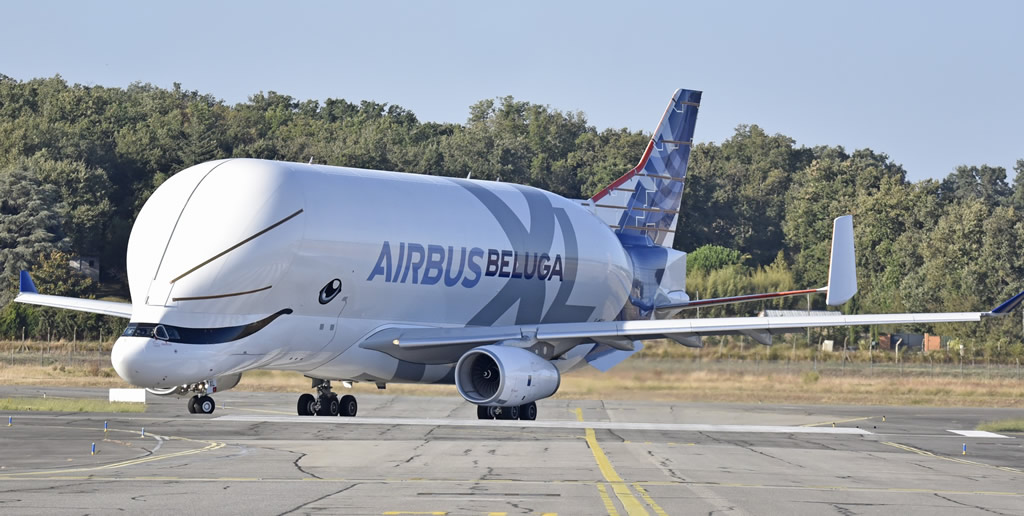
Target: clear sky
column 934, row 84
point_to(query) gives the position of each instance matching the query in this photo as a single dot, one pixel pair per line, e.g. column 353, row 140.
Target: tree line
column 78, row 162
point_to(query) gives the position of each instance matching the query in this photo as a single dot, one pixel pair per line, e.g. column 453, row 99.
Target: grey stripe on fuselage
column 539, row 239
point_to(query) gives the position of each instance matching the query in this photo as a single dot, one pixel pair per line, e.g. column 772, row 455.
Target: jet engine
column 505, row 376
column 221, row 384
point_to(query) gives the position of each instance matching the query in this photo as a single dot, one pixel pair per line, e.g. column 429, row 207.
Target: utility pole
column 898, row 341
column 808, row 315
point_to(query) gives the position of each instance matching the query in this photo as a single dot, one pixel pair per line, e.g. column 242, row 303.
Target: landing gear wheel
column 483, row 412
column 192, row 402
column 348, row 406
column 205, row 405
column 528, row 412
column 328, row 406
column 306, row 405
column 509, row 412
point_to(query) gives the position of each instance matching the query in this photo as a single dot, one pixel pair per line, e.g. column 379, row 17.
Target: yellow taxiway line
column 852, row 419
column 951, row 459
column 621, row 489
column 210, row 446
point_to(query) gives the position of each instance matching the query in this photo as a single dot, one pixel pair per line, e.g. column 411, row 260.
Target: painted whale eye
column 329, row 291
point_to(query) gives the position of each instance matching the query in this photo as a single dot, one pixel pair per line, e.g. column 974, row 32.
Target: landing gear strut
column 526, row 412
column 326, row 402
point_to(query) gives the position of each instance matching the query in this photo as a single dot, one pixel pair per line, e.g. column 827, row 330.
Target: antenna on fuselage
column 310, row 160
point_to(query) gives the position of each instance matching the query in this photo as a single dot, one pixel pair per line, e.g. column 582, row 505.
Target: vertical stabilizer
column 645, row 201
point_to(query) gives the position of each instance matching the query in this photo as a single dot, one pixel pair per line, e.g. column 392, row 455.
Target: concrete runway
column 411, row 455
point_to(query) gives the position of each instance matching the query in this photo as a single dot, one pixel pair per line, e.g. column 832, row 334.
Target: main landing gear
column 326, row 403
column 526, row 412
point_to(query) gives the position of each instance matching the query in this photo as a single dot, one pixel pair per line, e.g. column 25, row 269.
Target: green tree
column 30, row 224
column 1017, row 197
column 83, row 206
column 712, row 257
column 54, row 276
column 735, row 193
column 970, row 182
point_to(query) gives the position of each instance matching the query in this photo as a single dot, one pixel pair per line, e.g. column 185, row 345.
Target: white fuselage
column 223, row 247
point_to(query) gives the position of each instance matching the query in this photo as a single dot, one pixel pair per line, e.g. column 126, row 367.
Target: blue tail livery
column 645, row 201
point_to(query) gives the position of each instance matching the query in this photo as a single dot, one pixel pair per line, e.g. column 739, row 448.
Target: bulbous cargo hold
column 231, row 259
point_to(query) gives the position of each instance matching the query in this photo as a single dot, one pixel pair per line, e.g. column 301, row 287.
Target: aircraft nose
column 134, row 364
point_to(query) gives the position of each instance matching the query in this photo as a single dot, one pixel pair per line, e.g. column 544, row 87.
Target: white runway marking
column 979, row 433
column 598, row 425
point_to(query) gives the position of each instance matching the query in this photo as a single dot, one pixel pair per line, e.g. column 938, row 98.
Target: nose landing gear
column 200, row 402
column 201, row 405
column 326, row 402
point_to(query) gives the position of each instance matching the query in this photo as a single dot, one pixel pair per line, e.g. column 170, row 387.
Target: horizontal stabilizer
column 93, row 306
column 28, row 294
column 1008, row 305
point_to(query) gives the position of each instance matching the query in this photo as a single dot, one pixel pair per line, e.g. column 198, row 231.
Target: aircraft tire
column 348, row 406
column 305, row 405
column 192, row 404
column 328, row 406
column 483, row 412
column 205, row 405
column 528, row 412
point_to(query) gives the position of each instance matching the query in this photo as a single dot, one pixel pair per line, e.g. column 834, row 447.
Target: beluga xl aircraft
column 354, row 275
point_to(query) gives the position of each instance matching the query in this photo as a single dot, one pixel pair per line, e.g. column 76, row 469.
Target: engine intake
column 504, row 376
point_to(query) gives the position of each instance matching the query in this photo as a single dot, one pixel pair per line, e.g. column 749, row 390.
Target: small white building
column 87, row 265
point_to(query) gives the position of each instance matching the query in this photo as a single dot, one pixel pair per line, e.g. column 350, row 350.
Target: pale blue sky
column 933, row 84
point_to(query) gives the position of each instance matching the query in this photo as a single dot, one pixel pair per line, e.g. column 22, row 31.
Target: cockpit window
column 183, row 335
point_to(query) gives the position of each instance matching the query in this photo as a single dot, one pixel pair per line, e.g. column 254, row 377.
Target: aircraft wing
column 446, row 345
column 28, row 294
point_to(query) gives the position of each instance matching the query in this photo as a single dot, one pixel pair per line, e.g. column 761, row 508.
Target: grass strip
column 67, row 405
column 1003, row 425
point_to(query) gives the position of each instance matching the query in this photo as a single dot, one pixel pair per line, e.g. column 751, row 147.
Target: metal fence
column 92, row 356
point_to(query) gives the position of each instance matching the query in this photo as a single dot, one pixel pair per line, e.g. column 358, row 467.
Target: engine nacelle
column 221, row 384
column 504, row 376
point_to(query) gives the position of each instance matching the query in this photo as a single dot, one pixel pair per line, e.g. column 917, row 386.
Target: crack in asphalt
column 300, row 468
column 980, row 508
column 328, row 495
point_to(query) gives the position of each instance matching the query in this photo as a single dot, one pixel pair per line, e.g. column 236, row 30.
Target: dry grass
column 644, row 379
column 76, row 376
column 798, row 387
column 67, row 405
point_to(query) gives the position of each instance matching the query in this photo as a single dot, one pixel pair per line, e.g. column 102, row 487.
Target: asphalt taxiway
column 413, row 455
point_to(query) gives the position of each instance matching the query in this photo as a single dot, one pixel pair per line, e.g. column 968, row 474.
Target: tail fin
column 644, row 203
